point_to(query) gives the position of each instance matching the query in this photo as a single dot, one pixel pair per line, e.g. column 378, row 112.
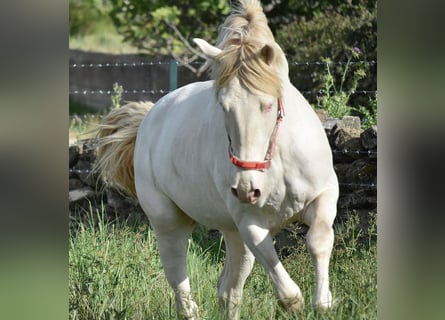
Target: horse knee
column 320, row 239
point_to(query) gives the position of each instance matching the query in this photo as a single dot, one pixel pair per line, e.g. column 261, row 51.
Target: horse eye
column 267, row 107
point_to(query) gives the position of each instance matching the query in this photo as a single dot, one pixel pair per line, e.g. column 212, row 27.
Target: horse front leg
column 320, row 240
column 237, row 267
column 259, row 241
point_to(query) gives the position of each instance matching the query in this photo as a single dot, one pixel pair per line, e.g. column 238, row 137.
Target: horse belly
column 201, row 202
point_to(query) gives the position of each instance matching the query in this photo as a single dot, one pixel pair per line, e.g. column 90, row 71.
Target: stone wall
column 355, row 161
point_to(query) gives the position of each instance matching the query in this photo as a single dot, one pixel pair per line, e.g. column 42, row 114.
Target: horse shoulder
column 305, row 152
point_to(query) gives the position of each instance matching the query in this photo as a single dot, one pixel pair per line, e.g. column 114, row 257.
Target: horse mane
column 242, row 37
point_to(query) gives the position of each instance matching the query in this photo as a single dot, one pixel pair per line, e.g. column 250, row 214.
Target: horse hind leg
column 237, row 267
column 320, row 239
column 173, row 229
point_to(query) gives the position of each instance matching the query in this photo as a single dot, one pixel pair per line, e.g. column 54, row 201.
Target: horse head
column 248, row 91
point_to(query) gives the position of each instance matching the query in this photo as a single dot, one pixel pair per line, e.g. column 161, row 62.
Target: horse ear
column 210, row 51
column 267, row 54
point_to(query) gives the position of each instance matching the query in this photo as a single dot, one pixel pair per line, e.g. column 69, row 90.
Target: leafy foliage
column 306, row 30
column 87, row 16
column 116, row 97
column 165, row 27
column 336, row 97
column 331, row 32
column 337, row 93
column 368, row 115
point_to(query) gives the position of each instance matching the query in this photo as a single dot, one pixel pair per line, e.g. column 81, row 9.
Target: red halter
column 260, row 165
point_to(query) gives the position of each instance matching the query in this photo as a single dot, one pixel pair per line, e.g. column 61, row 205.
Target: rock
column 363, row 172
column 88, row 151
column 120, row 203
column 83, row 171
column 349, row 122
column 359, row 199
column 74, row 152
column 322, row 115
column 75, row 184
column 329, row 125
column 368, row 138
column 341, row 169
column 345, row 143
column 353, row 175
column 80, row 194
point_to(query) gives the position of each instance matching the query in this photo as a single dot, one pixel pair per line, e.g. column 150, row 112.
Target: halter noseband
column 260, row 165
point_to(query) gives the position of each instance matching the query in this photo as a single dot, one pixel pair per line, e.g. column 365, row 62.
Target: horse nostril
column 257, row 193
column 234, row 192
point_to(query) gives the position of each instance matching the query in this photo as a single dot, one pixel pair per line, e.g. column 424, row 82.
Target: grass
column 82, row 127
column 115, row 273
column 103, row 39
column 104, row 42
column 84, row 119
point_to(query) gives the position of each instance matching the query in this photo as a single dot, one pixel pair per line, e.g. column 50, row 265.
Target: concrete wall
column 148, row 77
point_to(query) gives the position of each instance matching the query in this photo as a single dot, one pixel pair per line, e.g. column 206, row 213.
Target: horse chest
column 283, row 207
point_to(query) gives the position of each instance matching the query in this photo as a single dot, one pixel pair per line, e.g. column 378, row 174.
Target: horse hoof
column 292, row 304
column 326, row 304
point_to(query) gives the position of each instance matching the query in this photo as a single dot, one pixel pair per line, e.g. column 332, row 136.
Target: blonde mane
column 242, row 37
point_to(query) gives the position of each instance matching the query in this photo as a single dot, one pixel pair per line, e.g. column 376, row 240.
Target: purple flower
column 357, row 49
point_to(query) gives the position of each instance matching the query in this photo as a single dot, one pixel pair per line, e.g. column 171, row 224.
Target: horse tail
column 115, row 143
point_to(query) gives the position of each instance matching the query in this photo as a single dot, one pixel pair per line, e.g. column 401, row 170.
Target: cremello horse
column 243, row 153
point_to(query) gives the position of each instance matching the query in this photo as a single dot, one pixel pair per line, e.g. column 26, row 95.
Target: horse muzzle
column 247, row 190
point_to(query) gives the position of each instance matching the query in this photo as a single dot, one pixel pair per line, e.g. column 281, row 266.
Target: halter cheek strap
column 260, row 165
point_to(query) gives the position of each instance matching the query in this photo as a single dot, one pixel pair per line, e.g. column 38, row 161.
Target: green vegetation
column 84, row 119
column 167, row 27
column 92, row 29
column 80, row 108
column 107, row 41
column 368, row 115
column 307, row 31
column 115, row 273
column 83, row 126
column 336, row 97
column 116, row 97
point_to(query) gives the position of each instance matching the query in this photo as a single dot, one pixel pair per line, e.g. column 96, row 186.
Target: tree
column 86, row 15
column 313, row 29
column 166, row 26
column 330, row 31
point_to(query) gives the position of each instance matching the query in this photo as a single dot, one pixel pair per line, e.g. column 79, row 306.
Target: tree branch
column 182, row 61
column 184, row 40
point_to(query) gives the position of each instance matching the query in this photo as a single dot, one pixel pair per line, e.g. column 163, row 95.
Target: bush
column 337, row 93
column 331, row 34
column 87, row 16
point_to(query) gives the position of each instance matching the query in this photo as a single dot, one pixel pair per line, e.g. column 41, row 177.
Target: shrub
column 336, row 93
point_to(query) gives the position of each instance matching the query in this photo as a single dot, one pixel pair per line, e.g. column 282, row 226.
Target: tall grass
column 115, row 273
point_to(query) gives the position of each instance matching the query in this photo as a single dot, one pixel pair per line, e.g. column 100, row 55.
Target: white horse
column 243, row 153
